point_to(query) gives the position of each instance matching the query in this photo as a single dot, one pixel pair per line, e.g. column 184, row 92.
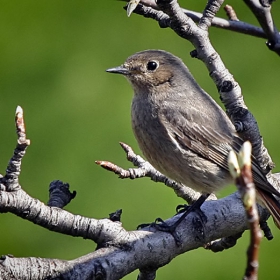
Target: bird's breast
column 181, row 165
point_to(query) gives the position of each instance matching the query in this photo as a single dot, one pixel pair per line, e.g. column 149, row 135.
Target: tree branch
column 122, row 252
column 119, row 252
column 231, row 25
column 262, row 11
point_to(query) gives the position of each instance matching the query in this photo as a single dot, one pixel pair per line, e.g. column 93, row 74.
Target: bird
column 182, row 131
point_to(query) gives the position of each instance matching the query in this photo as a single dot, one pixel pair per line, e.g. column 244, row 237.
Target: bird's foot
column 184, row 208
column 161, row 225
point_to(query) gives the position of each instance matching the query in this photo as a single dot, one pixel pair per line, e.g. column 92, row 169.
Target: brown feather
column 271, row 204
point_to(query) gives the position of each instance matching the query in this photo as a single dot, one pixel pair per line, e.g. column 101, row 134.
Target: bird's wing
column 199, row 138
column 210, row 142
column 271, row 204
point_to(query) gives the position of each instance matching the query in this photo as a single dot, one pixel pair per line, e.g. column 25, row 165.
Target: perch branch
column 124, row 250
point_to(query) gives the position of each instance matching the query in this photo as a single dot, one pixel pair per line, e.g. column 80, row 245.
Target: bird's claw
column 160, row 225
column 181, row 208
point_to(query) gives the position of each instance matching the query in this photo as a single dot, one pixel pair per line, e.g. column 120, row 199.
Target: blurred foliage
column 53, row 59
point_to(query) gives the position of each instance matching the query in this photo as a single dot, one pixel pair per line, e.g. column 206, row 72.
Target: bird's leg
column 162, row 226
column 180, row 209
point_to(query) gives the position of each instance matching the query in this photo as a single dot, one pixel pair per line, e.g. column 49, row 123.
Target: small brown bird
column 181, row 130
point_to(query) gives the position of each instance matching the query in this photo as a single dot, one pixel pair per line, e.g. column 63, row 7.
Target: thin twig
column 10, row 181
column 242, row 172
column 145, row 169
column 262, row 11
column 211, row 9
column 231, row 13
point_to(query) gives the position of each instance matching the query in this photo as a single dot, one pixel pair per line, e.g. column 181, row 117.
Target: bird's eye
column 152, row 65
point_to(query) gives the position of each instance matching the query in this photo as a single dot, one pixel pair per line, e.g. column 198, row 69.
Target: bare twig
column 145, row 169
column 20, row 127
column 211, row 9
column 244, row 181
column 231, row 13
column 10, row 181
column 262, row 11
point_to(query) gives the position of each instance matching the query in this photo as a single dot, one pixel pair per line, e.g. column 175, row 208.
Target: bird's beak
column 119, row 70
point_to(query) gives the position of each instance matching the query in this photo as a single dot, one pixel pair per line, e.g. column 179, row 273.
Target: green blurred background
column 53, row 56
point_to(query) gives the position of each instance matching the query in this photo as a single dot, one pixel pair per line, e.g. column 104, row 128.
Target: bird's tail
column 272, row 205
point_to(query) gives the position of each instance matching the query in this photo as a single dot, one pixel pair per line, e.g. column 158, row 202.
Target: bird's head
column 152, row 69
